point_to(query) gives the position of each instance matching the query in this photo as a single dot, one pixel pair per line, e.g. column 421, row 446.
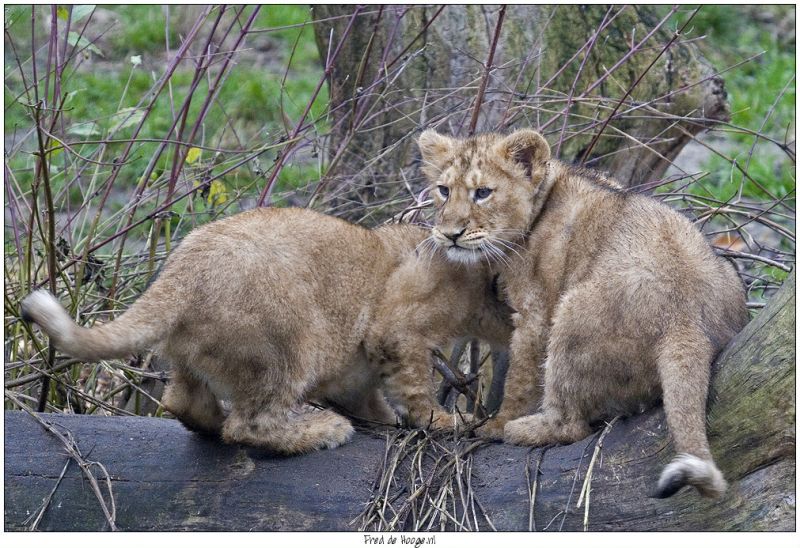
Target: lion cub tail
column 684, row 366
column 134, row 330
column 686, row 469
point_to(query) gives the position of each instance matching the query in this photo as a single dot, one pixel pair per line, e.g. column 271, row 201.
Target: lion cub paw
column 532, row 430
column 540, row 429
column 302, row 433
column 326, row 430
column 442, row 421
column 492, row 430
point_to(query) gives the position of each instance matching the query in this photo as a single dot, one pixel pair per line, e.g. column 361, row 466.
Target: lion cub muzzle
column 460, row 245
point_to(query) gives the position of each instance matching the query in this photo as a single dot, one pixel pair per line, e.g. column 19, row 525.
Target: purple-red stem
column 636, row 83
column 487, row 73
column 289, row 147
column 592, row 42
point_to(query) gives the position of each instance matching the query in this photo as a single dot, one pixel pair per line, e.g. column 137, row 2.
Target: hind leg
column 355, row 393
column 280, row 429
column 193, row 402
column 579, row 378
column 264, row 411
column 684, row 367
column 373, row 407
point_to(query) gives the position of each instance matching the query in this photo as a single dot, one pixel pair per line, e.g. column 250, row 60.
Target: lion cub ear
column 525, row 147
column 436, row 150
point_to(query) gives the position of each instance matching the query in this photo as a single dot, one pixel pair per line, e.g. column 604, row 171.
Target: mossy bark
column 403, row 69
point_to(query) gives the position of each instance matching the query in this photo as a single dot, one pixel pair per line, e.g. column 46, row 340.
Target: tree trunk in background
column 404, row 68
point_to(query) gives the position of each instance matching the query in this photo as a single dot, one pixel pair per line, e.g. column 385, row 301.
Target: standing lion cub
column 618, row 299
column 273, row 307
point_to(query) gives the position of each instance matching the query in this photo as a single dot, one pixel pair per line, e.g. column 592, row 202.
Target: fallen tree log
column 165, row 478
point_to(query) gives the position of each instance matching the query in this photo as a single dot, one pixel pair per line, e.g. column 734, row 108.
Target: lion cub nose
column 454, row 235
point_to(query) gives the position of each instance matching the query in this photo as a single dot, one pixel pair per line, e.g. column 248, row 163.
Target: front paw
column 530, row 430
column 441, row 421
column 492, row 429
column 544, row 429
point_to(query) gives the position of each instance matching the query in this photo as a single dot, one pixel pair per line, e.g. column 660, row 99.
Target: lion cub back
column 299, row 283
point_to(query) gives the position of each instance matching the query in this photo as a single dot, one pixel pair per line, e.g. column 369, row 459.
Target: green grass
column 254, row 101
column 733, row 35
column 273, row 16
column 251, row 91
column 141, row 31
column 253, row 97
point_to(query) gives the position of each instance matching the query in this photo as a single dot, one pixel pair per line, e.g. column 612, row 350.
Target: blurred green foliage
column 734, row 33
column 263, row 96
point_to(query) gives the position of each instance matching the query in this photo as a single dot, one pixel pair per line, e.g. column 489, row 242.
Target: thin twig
column 587, row 481
column 633, row 86
column 46, row 502
column 487, row 71
column 85, row 466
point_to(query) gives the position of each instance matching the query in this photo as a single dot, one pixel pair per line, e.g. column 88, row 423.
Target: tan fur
column 273, row 307
column 619, row 300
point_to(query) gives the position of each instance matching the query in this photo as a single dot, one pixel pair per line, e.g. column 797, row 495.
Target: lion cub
column 618, row 299
column 273, row 307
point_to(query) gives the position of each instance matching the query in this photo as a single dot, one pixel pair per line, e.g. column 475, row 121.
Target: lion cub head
column 484, row 189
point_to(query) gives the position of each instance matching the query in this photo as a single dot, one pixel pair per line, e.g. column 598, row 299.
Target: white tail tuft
column 44, row 309
column 134, row 330
column 686, row 469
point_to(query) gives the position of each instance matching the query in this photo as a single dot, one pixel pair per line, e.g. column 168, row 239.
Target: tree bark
column 166, row 478
column 406, row 68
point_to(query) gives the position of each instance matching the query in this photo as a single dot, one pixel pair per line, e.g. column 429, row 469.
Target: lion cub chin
column 273, row 307
column 619, row 300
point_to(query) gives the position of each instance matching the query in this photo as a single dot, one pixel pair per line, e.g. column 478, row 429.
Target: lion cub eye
column 443, row 190
column 483, row 192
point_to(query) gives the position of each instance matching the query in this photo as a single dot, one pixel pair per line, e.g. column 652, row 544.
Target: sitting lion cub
column 617, row 297
column 273, row 307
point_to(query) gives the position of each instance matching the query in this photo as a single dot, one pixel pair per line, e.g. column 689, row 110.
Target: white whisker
column 422, row 245
column 486, row 253
column 509, row 242
column 426, row 249
column 501, row 255
column 493, row 252
column 509, row 246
